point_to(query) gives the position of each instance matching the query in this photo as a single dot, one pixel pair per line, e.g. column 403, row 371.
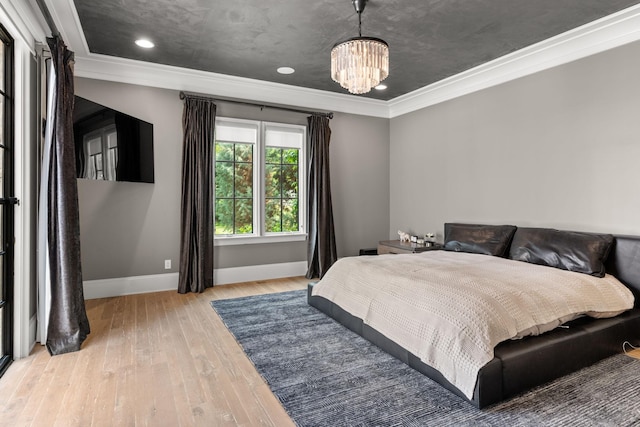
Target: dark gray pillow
column 478, row 238
column 567, row 250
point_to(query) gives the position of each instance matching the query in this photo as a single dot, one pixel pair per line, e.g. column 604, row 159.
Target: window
column 259, row 181
column 234, row 176
column 282, row 178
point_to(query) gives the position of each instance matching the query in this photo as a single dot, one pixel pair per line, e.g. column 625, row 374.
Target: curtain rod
column 183, row 95
column 47, row 17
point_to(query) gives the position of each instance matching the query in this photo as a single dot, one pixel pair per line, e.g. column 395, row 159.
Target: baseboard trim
column 225, row 276
column 119, row 286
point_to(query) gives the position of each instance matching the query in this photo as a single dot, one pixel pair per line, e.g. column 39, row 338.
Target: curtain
column 61, row 294
column 321, row 249
column 196, row 220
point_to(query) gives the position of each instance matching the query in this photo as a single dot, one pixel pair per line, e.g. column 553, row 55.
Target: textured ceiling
column 429, row 40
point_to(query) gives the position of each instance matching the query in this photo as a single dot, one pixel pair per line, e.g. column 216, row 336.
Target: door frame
column 8, row 201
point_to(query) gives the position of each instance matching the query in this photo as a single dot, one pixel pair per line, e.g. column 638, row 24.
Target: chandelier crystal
column 360, row 63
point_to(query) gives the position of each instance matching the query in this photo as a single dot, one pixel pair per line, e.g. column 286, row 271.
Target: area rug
column 326, row 375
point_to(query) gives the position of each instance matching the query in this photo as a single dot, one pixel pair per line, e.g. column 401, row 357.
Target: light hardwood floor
column 159, row 359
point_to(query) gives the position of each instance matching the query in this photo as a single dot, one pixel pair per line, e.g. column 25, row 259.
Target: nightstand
column 398, row 247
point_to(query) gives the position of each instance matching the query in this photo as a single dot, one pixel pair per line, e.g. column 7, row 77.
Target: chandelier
column 360, row 63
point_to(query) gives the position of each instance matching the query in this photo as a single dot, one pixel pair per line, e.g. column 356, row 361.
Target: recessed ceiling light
column 380, row 87
column 147, row 44
column 286, row 70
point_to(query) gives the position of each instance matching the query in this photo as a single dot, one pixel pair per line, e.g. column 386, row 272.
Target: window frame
column 259, row 234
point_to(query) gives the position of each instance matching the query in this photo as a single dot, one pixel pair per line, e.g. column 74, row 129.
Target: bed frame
column 520, row 365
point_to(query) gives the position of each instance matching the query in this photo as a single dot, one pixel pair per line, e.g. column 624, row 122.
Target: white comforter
column 451, row 309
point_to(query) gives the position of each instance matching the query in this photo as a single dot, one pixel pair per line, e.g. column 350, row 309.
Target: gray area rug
column 326, row 375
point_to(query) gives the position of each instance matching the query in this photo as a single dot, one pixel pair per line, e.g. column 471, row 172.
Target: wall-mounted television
column 111, row 145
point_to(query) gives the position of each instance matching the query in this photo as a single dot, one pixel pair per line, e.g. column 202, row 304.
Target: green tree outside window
column 281, row 196
column 234, row 188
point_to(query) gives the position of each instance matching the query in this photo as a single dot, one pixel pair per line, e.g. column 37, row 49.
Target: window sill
column 252, row 240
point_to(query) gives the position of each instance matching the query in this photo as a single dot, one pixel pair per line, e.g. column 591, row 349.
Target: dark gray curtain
column 321, row 249
column 196, row 228
column 68, row 323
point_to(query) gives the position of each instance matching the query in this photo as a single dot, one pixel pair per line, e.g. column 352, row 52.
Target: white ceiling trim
column 23, row 22
column 109, row 68
column 65, row 16
column 606, row 33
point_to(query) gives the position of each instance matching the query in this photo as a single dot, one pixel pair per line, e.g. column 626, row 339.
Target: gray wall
column 129, row 229
column 560, row 148
column 359, row 181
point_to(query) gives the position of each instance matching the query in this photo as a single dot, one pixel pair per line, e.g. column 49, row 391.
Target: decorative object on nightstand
column 429, row 239
column 404, row 237
column 399, row 247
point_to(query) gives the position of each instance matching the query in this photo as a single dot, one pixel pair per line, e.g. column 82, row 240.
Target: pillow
column 478, row 239
column 567, row 250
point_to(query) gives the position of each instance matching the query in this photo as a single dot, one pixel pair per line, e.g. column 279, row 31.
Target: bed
column 512, row 365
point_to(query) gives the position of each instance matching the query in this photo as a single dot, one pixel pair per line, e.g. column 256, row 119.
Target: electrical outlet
column 167, row 264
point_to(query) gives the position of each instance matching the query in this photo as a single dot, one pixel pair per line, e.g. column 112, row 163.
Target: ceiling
column 429, row 40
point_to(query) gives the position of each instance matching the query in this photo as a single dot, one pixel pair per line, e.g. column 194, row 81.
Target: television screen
column 111, row 145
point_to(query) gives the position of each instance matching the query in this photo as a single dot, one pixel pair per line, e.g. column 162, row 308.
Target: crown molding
column 110, row 68
column 65, row 16
column 607, row 33
column 24, row 22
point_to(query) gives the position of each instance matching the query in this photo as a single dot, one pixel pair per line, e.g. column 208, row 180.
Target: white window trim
column 249, row 240
column 259, row 236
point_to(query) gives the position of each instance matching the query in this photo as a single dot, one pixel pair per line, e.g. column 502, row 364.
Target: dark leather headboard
column 624, row 263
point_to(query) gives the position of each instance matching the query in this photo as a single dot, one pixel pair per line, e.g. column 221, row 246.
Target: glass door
column 7, row 201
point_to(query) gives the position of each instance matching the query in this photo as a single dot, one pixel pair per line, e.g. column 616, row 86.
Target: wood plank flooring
column 159, row 359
